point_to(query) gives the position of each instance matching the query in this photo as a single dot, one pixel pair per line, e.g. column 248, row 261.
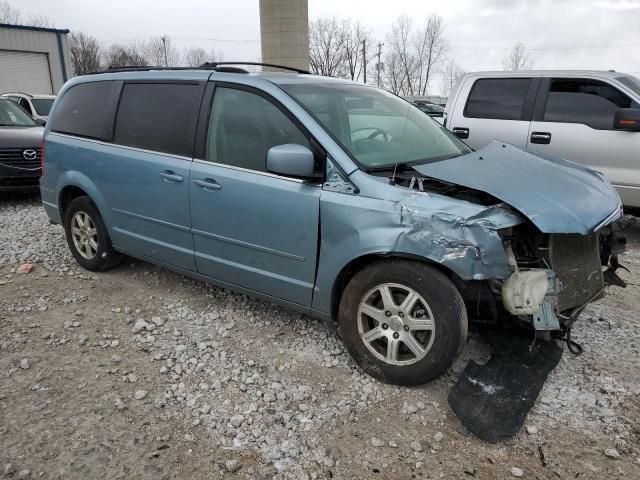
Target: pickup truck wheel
column 403, row 322
column 87, row 236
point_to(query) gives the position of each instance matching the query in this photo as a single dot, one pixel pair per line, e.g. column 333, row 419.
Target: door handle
column 207, row 183
column 461, row 133
column 541, row 138
column 171, row 177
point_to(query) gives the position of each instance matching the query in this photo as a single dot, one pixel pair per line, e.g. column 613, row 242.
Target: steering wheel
column 376, row 131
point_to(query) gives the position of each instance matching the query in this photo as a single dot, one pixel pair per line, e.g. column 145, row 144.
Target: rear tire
column 403, row 322
column 87, row 236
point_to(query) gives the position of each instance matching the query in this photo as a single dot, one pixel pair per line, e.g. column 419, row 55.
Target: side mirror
column 291, row 159
column 40, row 122
column 627, row 119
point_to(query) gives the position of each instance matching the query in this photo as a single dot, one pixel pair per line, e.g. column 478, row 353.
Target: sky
column 559, row 34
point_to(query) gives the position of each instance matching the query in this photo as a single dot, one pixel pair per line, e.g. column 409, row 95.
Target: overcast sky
column 567, row 34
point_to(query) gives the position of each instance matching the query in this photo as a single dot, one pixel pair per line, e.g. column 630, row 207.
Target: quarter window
column 497, row 98
column 158, row 116
column 87, row 110
column 591, row 102
column 243, row 126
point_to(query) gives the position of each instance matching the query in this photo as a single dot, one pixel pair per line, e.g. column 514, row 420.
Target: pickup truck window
column 586, row 101
column 630, row 81
column 497, row 98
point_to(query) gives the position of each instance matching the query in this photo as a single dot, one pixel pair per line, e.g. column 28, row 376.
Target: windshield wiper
column 400, row 167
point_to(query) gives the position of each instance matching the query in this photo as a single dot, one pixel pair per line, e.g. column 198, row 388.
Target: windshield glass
column 11, row 115
column 377, row 128
column 42, row 105
column 632, row 82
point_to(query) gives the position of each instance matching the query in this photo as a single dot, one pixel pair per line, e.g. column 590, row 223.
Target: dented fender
column 461, row 236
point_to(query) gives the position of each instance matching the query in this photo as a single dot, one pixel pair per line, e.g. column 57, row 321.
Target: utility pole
column 164, row 45
column 364, row 59
column 378, row 65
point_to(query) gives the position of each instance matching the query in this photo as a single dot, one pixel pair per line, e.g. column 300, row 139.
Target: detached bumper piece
column 492, row 400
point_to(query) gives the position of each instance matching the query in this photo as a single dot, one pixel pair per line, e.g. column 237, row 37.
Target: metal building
column 33, row 59
column 284, row 31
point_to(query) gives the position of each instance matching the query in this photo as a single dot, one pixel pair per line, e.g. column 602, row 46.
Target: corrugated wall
column 24, row 40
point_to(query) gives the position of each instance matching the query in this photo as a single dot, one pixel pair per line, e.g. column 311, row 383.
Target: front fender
column 461, row 236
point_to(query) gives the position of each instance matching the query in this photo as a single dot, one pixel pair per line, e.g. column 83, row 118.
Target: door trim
column 152, row 220
column 253, row 246
column 257, row 172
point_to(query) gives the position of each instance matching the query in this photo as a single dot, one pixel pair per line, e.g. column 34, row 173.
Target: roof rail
column 216, row 66
column 260, row 64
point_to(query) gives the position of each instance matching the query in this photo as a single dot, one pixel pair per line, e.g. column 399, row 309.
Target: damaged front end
column 507, row 264
column 555, row 276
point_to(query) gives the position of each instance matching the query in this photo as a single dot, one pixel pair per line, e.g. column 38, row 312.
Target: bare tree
column 195, row 56
column 13, row 16
column 9, row 14
column 430, row 47
column 452, row 72
column 119, row 55
column 518, row 59
column 215, row 55
column 160, row 51
column 326, row 47
column 85, row 53
column 356, row 39
column 401, row 59
column 394, row 76
column 39, row 21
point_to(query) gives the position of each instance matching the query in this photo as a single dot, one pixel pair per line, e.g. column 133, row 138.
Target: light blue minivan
column 334, row 198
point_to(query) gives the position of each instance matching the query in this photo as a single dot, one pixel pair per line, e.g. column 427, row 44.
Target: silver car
column 589, row 117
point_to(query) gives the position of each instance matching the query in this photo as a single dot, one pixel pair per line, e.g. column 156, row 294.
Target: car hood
column 557, row 195
column 21, row 137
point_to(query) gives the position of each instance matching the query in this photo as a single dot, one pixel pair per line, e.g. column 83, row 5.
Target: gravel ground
column 142, row 373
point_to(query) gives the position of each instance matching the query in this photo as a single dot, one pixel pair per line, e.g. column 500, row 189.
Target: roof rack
column 216, row 66
column 260, row 64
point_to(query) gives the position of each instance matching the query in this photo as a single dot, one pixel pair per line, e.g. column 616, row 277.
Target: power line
column 538, row 49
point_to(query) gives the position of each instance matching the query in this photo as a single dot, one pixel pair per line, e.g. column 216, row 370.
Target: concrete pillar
column 284, row 32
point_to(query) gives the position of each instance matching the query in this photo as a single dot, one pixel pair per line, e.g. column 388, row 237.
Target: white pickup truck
column 589, row 117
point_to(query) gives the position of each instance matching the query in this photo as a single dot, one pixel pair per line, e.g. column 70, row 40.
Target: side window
column 243, row 126
column 87, row 110
column 158, row 116
column 497, row 98
column 25, row 104
column 591, row 102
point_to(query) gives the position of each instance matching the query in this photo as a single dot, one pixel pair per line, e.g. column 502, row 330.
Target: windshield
column 632, row 82
column 11, row 115
column 378, row 129
column 42, row 105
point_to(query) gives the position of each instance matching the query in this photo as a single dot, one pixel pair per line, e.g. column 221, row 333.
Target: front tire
column 87, row 236
column 403, row 322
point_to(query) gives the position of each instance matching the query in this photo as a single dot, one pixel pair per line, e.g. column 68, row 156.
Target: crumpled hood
column 557, row 195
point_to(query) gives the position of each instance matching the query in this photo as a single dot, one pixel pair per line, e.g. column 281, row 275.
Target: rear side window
column 87, row 110
column 158, row 116
column 590, row 102
column 497, row 98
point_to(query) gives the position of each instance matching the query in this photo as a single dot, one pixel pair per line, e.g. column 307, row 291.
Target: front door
column 251, row 228
column 574, row 120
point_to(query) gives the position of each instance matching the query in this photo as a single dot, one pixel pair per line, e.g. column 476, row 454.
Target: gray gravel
column 258, row 378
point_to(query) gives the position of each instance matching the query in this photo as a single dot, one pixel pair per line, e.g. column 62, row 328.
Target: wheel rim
column 396, row 324
column 84, row 235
